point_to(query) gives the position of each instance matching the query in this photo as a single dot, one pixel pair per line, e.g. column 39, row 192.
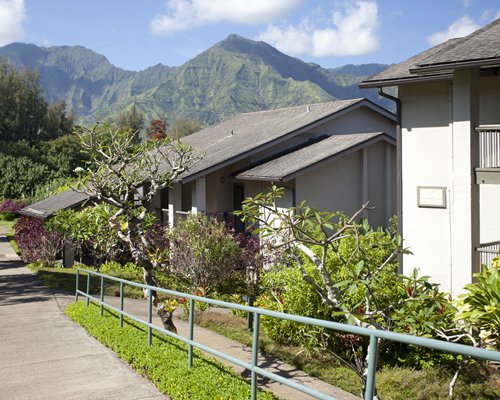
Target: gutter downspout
column 399, row 171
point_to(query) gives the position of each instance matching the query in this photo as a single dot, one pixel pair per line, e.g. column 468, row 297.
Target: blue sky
column 135, row 34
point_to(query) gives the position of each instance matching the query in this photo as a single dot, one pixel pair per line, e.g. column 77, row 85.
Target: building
column 449, row 155
column 334, row 155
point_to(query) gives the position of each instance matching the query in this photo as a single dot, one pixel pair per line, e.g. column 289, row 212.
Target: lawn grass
column 7, row 224
column 165, row 362
column 65, row 279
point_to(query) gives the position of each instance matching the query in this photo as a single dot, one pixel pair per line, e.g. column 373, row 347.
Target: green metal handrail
column 373, row 334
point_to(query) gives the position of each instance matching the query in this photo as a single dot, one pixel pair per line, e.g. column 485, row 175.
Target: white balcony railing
column 487, row 252
column 489, row 146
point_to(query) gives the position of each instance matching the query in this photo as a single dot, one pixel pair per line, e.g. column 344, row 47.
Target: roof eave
column 285, row 178
column 448, row 67
column 45, row 215
column 381, row 137
column 400, row 81
column 261, row 178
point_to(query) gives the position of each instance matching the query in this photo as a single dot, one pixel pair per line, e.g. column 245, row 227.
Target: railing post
column 150, row 318
column 88, row 288
column 372, row 368
column 190, row 333
column 121, row 304
column 77, row 285
column 255, row 354
column 102, row 295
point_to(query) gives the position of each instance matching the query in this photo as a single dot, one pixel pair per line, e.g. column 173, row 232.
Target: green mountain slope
column 236, row 75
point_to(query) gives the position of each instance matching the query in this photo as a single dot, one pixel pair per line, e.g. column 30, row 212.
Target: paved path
column 66, row 329
column 45, row 355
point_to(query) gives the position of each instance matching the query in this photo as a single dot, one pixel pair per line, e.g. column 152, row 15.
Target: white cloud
column 459, row 28
column 12, row 15
column 186, row 14
column 351, row 30
column 489, row 15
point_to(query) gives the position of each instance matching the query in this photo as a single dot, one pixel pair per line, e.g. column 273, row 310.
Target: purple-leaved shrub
column 35, row 242
column 9, row 209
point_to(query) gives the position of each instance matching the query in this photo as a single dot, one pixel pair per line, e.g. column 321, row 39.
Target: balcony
column 487, row 252
column 488, row 171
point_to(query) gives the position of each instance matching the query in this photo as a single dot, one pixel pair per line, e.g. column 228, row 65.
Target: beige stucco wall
column 345, row 184
column 434, row 123
column 359, row 120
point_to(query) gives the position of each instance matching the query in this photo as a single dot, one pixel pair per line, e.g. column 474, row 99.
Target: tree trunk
column 165, row 316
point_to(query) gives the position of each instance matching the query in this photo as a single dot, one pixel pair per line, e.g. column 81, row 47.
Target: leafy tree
column 354, row 272
column 89, row 232
column 28, row 168
column 184, row 127
column 126, row 176
column 21, row 176
column 62, row 154
column 132, row 119
column 57, row 122
column 157, row 129
column 24, row 112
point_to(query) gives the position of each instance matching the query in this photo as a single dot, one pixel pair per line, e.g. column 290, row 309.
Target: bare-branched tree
column 127, row 175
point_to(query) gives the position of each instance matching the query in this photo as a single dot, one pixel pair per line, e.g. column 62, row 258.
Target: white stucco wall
column 434, row 123
column 426, row 153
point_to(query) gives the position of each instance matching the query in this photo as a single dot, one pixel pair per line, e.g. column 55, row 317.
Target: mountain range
column 235, row 75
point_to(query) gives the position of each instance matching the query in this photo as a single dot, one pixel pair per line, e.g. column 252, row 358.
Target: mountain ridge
column 233, row 76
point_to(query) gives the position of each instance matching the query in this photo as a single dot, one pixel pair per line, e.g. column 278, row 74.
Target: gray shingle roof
column 247, row 133
column 288, row 166
column 481, row 47
column 61, row 201
column 482, row 44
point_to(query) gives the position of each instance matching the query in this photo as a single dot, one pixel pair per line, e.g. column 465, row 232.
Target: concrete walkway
column 45, row 355
column 59, row 301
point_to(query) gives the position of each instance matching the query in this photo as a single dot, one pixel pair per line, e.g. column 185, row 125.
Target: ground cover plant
column 165, row 362
column 59, row 278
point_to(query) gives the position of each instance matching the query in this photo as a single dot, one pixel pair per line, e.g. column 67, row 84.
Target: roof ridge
column 352, row 101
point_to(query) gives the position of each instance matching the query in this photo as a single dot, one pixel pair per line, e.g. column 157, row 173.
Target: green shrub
column 287, row 291
column 165, row 362
column 480, row 305
column 204, row 253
